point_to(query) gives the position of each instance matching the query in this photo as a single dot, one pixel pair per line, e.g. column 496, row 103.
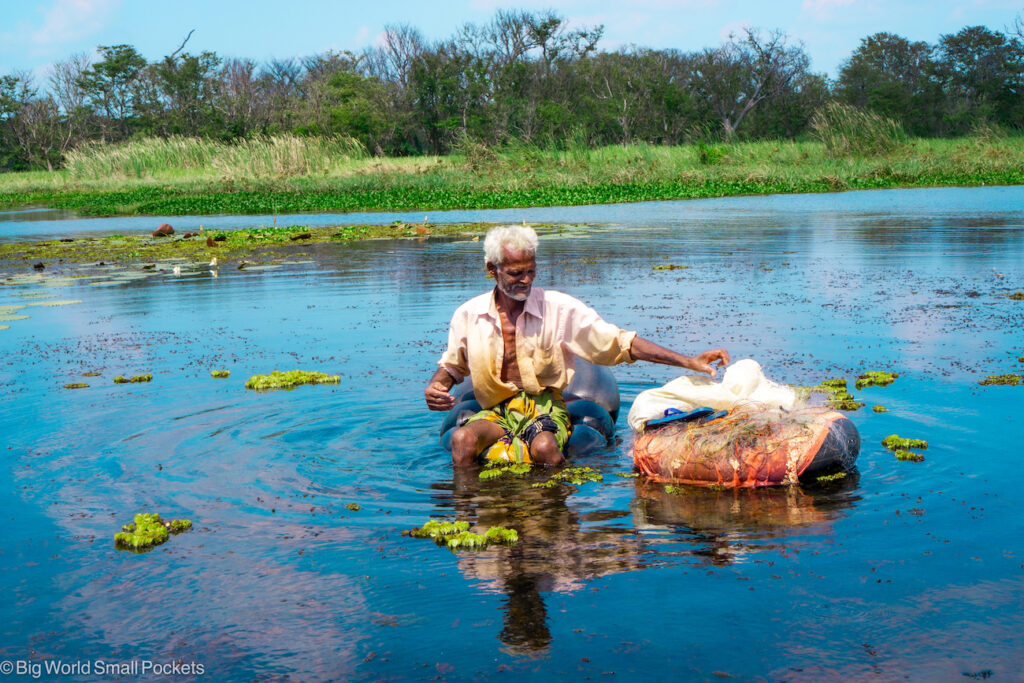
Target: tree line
column 524, row 78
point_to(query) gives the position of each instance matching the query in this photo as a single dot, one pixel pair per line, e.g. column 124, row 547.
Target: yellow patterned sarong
column 523, row 417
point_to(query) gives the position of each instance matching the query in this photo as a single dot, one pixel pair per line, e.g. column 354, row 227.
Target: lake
column 899, row 570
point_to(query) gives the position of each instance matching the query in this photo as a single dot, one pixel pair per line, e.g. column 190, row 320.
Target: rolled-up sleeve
column 587, row 335
column 455, row 359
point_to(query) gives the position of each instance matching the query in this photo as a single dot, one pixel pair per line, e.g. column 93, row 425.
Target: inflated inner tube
column 592, row 399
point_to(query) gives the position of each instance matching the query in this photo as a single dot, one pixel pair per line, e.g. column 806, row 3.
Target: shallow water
column 904, row 569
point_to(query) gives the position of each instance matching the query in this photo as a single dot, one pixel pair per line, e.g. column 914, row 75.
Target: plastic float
column 750, row 432
column 592, row 399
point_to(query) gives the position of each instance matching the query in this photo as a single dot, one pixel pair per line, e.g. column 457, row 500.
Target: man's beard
column 520, row 295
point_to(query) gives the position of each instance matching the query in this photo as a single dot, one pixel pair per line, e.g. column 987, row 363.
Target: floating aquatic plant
column 825, row 478
column 1016, row 296
column 671, row 488
column 627, row 475
column 12, row 318
column 62, row 302
column 435, row 528
column 517, row 470
column 456, row 535
column 880, row 409
column 669, row 266
column 5, row 327
column 466, row 539
column 354, row 507
column 895, row 442
column 830, row 385
column 875, row 378
column 148, row 530
column 571, row 475
column 220, row 374
column 76, row 385
column 1003, row 380
column 908, row 456
column 289, row 380
column 134, row 379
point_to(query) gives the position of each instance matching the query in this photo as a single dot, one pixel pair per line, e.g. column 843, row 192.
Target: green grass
column 179, row 177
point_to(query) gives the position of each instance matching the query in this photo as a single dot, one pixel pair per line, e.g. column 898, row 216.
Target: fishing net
column 754, row 445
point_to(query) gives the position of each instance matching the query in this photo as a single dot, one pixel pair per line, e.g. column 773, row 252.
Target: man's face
column 515, row 276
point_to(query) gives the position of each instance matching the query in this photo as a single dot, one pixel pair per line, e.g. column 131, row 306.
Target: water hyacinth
column 289, row 380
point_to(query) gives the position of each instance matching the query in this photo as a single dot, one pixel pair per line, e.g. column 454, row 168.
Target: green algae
column 5, row 327
column 875, row 378
column 1009, row 380
column 1016, row 296
column 825, row 478
column 12, row 318
column 908, row 456
column 627, row 475
column 830, row 385
column 148, row 530
column 678, row 490
column 289, row 380
column 90, row 374
column 571, row 475
column 669, row 266
column 220, row 374
column 879, row 409
column 76, row 385
column 354, row 507
column 134, row 379
column 895, row 442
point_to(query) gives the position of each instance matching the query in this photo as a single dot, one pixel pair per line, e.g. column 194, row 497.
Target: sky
column 34, row 34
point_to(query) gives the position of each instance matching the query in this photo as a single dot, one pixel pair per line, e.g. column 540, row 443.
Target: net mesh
column 753, row 445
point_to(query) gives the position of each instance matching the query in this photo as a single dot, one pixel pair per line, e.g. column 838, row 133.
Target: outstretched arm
column 436, row 392
column 642, row 349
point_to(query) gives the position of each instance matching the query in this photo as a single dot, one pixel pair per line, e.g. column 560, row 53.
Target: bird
column 213, row 262
column 177, row 270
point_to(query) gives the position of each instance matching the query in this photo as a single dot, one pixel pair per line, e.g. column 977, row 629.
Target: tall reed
column 280, row 156
column 848, row 131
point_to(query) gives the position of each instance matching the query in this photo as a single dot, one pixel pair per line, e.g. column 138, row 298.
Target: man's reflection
column 560, row 550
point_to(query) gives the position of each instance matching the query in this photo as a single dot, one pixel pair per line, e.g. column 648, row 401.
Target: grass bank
column 292, row 175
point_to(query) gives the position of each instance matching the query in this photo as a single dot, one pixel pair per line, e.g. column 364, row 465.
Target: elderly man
column 517, row 343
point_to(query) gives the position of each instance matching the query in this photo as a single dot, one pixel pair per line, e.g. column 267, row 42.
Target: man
column 518, row 343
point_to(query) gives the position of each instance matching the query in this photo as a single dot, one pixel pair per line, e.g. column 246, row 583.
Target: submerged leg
column 544, row 450
column 471, row 439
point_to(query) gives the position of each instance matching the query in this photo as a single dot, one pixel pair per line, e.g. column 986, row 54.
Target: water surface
column 903, row 569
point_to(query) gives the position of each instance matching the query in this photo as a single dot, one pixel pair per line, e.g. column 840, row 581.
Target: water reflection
column 561, row 549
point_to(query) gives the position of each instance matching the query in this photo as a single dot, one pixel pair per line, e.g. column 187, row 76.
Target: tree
column 738, row 76
column 982, row 73
column 891, row 76
column 109, row 87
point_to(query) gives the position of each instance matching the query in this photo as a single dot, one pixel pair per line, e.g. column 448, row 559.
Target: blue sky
column 36, row 33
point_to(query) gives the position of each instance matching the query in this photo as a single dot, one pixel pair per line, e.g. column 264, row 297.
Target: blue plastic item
column 673, row 414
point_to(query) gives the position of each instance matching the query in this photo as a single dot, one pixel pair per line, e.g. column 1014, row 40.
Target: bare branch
column 182, row 46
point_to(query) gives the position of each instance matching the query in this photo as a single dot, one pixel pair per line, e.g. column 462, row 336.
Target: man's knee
column 544, row 450
column 465, row 446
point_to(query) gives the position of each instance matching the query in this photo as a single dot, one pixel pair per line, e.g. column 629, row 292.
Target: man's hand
column 438, row 397
column 436, row 392
column 703, row 362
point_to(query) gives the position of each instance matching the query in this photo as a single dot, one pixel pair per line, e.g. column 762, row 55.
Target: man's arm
column 642, row 349
column 437, row 394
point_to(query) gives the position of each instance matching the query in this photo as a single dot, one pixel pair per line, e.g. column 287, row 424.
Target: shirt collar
column 534, row 303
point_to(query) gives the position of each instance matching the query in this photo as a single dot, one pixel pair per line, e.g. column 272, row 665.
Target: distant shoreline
column 518, row 179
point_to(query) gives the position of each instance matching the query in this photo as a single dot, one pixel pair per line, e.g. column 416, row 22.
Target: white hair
column 514, row 237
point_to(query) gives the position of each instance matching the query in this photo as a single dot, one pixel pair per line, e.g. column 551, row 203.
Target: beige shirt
column 552, row 330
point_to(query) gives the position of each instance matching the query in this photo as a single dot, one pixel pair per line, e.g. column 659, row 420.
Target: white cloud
column 68, row 20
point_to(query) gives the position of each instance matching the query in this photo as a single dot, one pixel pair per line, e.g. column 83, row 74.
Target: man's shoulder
column 560, row 299
column 477, row 305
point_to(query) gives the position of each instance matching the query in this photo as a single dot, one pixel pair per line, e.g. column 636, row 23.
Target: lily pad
column 61, row 302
